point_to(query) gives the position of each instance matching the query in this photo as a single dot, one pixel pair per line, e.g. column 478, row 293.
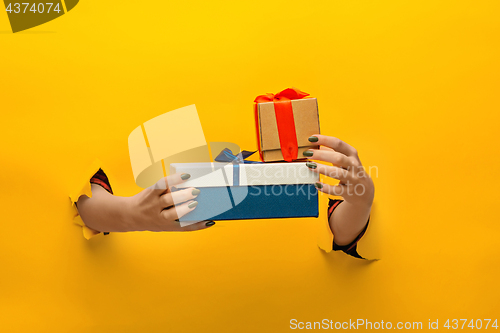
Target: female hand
column 355, row 185
column 154, row 209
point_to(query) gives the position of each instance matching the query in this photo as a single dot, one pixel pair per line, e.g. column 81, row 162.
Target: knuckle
column 331, row 172
column 169, row 214
column 335, row 173
column 166, row 199
column 335, row 159
column 336, row 143
column 161, row 184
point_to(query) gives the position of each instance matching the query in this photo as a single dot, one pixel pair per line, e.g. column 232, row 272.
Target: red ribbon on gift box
column 284, row 119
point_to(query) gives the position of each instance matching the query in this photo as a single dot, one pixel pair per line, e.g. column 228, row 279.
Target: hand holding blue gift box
column 240, row 189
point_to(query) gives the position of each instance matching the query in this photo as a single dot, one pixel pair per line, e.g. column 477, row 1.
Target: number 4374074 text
column 22, row 8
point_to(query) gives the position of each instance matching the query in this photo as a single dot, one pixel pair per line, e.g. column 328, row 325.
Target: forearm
column 103, row 212
column 348, row 220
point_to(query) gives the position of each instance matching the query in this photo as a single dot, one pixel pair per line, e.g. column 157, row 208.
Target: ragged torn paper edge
column 83, row 188
column 325, row 234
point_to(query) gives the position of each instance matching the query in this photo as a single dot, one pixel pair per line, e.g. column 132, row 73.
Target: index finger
column 336, row 144
column 166, row 182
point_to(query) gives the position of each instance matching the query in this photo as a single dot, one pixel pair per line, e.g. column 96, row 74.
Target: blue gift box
column 250, row 191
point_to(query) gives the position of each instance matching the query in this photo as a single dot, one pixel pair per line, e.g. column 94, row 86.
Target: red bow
column 284, row 120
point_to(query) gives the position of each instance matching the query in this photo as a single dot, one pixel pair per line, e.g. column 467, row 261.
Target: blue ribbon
column 227, row 156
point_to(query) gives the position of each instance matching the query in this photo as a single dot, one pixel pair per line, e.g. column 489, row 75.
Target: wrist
column 128, row 213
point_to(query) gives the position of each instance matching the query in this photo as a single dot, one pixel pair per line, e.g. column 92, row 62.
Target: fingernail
column 210, row 223
column 193, row 204
column 313, row 139
column 195, row 192
column 311, row 165
column 318, row 185
column 185, row 176
column 308, row 153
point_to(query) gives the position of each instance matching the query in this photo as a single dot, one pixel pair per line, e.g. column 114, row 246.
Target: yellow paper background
column 412, row 85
